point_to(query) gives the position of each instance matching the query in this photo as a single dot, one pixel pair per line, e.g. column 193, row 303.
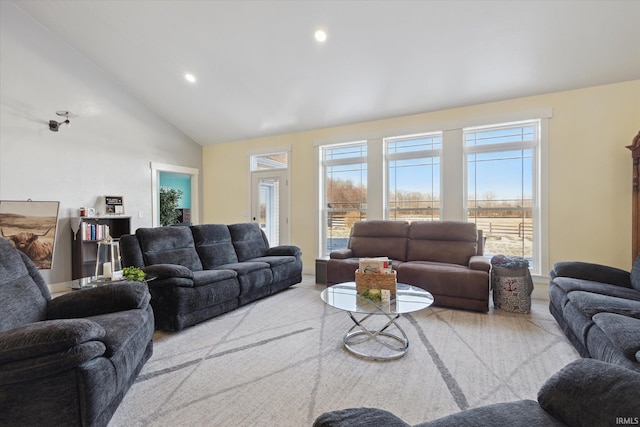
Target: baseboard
column 55, row 288
column 540, row 291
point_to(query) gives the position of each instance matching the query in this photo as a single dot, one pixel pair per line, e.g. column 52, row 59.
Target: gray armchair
column 67, row 361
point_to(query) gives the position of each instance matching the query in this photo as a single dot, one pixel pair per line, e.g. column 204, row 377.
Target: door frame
column 284, row 237
column 156, row 168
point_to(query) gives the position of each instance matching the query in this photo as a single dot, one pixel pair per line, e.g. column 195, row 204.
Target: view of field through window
column 500, row 163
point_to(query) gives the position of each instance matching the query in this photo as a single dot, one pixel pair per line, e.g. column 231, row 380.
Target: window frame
column 324, row 164
column 411, row 155
column 453, row 192
column 536, row 184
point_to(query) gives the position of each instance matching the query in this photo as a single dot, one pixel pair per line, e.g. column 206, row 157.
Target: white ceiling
column 260, row 72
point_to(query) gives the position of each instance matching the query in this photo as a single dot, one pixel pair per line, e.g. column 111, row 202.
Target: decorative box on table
column 382, row 281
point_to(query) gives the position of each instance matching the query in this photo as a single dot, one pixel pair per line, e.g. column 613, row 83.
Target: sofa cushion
column 379, row 238
column 120, row 327
column 589, row 392
column 214, row 245
column 561, row 286
column 447, row 241
column 248, row 240
column 445, row 279
column 518, row 413
column 359, row 417
column 591, row 304
column 169, row 245
column 207, row 277
column 24, row 294
column 623, row 332
column 255, row 279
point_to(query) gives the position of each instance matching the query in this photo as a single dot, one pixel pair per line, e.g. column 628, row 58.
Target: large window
column 413, row 177
column 493, row 175
column 501, row 186
column 344, row 192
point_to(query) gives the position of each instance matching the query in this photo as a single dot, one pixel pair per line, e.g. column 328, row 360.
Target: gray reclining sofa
column 205, row 270
column 584, row 393
column 598, row 308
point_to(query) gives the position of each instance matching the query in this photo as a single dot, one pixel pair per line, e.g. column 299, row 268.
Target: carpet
column 280, row 362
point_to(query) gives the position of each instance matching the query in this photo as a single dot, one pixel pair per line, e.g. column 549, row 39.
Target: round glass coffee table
column 386, row 340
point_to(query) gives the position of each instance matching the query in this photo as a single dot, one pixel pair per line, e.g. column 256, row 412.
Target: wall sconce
column 54, row 125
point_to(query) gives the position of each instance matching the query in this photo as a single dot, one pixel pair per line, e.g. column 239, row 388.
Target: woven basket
column 375, row 281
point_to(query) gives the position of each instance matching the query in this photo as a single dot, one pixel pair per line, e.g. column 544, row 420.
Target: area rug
column 280, row 362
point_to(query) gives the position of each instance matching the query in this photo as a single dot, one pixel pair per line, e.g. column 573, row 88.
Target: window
column 343, row 192
column 272, row 161
column 492, row 173
column 413, row 177
column 501, row 187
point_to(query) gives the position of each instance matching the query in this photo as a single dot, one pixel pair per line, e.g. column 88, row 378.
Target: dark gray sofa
column 598, row 308
column 205, row 270
column 584, row 393
column 442, row 257
column 70, row 360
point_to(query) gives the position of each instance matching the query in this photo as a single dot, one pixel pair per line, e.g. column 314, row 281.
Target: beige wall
column 589, row 170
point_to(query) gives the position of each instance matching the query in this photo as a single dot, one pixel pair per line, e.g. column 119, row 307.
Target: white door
column 270, row 204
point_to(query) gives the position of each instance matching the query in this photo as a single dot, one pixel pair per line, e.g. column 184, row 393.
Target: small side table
column 321, row 270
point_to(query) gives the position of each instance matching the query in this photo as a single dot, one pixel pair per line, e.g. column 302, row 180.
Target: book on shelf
column 94, row 231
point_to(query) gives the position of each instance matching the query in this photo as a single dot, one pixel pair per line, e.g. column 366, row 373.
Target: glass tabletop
column 92, row 282
column 406, row 300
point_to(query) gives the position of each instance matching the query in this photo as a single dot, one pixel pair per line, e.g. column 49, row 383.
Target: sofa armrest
column 40, row 350
column 591, row 392
column 46, row 337
column 480, row 262
column 168, row 271
column 594, row 272
column 359, row 417
column 281, row 250
column 341, row 254
column 109, row 298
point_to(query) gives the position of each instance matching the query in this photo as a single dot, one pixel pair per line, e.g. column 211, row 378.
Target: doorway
column 157, row 170
column 270, row 204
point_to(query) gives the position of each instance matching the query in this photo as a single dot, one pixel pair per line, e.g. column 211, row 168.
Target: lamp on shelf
column 108, row 261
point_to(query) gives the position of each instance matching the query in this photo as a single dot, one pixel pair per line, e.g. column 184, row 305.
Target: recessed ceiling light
column 190, row 78
column 320, row 36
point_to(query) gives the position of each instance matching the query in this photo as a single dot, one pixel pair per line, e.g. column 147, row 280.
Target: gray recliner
column 70, row 360
column 584, row 393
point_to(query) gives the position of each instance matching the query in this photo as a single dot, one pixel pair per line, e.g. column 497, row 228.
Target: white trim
column 506, row 117
column 250, row 193
column 544, row 197
column 156, row 168
column 270, row 150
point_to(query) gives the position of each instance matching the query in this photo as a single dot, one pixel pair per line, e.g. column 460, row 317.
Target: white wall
column 106, row 151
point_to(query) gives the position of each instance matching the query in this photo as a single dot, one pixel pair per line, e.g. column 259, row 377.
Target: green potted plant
column 169, row 198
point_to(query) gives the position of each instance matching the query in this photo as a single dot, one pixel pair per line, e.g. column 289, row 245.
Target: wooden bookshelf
column 84, row 243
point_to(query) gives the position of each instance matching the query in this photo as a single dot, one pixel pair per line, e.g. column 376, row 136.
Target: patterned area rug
column 280, row 362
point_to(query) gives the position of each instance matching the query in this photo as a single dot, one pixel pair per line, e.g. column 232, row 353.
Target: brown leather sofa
column 444, row 258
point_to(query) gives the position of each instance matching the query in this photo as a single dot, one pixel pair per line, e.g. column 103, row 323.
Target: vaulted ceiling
column 259, row 70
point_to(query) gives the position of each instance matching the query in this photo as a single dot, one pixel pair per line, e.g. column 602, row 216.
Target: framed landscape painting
column 31, row 227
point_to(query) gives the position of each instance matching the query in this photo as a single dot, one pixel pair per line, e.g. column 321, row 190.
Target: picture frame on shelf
column 114, row 205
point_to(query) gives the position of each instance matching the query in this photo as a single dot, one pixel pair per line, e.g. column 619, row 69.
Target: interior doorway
column 182, row 183
column 188, row 176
